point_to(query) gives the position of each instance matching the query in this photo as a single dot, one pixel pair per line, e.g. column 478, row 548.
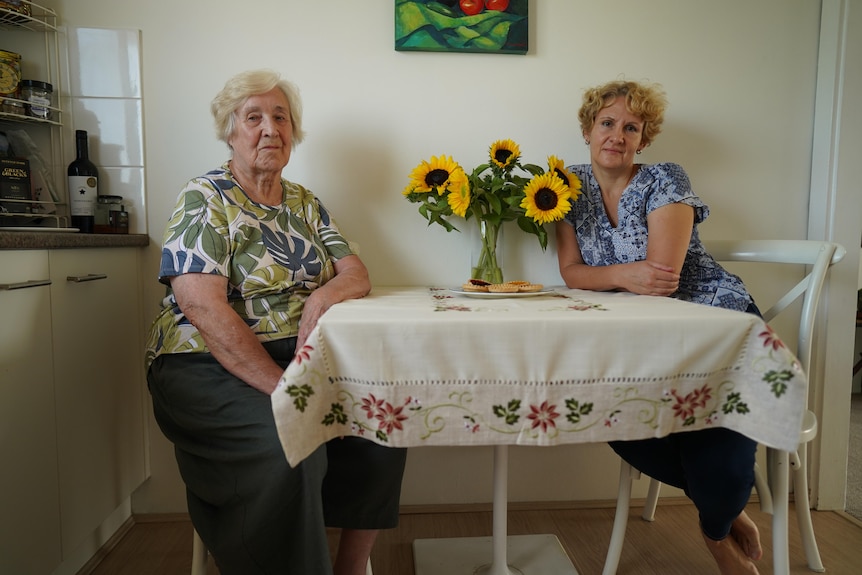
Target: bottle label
column 82, row 195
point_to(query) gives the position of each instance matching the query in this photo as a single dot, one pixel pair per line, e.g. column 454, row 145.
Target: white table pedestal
column 498, row 554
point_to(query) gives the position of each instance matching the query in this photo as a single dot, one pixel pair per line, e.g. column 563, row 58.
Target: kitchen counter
column 37, row 240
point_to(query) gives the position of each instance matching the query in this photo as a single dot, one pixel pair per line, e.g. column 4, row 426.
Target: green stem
column 487, row 267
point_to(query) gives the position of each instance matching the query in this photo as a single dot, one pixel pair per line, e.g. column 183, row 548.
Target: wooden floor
column 671, row 545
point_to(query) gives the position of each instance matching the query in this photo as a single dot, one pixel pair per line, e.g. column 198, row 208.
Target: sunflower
column 504, row 154
column 558, row 167
column 546, row 198
column 496, row 191
column 439, row 175
column 459, row 199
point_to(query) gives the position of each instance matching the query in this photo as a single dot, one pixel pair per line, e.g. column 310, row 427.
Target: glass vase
column 486, row 266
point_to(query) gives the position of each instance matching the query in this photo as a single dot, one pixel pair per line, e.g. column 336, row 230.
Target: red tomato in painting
column 471, row 7
column 499, row 5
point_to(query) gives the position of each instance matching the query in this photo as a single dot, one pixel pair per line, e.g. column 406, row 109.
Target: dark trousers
column 715, row 468
column 255, row 513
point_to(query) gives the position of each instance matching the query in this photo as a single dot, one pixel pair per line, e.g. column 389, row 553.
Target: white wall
column 740, row 77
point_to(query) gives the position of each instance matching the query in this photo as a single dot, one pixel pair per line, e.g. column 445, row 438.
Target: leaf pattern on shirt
column 272, row 256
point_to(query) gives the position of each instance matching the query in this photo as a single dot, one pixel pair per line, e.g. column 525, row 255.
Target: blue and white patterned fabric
column 702, row 279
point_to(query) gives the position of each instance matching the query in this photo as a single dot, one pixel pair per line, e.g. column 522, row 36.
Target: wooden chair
column 773, row 491
column 200, row 555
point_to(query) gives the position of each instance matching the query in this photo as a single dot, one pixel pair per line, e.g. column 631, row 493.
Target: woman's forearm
column 596, row 278
column 235, row 346
column 202, row 299
column 351, row 281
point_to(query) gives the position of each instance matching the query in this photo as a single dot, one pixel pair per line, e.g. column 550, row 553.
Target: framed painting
column 490, row 26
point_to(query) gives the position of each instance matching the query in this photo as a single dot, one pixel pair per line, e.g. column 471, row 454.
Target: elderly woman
column 635, row 230
column 253, row 261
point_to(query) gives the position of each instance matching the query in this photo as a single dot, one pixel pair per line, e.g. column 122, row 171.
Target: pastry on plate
column 476, row 285
column 503, row 288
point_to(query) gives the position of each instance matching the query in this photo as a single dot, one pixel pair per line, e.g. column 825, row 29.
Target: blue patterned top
column 272, row 257
column 702, row 279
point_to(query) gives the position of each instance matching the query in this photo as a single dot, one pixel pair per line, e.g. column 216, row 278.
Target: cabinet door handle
column 86, row 278
column 26, row 284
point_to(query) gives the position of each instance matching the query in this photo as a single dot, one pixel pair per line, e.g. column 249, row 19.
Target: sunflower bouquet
column 500, row 190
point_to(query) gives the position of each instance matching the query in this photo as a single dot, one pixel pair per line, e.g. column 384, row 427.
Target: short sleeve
column 671, row 185
column 336, row 246
column 195, row 240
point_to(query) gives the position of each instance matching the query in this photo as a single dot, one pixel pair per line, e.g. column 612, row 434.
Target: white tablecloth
column 424, row 366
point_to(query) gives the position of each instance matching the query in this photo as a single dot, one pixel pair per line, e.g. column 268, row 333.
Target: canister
column 38, row 97
column 10, row 73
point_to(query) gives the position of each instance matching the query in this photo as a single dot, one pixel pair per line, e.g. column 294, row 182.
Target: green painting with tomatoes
column 494, row 26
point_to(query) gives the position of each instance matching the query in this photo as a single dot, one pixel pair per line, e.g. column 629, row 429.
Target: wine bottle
column 83, row 186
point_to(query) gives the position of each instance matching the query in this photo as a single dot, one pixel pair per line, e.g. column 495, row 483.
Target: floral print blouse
column 702, row 279
column 272, row 257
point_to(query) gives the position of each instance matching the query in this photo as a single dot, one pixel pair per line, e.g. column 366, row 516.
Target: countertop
column 27, row 240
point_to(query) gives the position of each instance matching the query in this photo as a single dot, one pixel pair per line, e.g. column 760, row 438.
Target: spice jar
column 12, row 106
column 111, row 217
column 38, row 97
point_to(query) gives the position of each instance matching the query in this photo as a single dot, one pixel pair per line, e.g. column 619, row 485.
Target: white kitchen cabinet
column 29, row 493
column 98, row 384
column 72, row 426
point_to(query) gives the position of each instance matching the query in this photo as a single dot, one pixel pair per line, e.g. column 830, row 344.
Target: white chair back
column 817, row 254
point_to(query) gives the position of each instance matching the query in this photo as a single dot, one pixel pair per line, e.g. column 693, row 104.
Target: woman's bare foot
column 745, row 532
column 730, row 557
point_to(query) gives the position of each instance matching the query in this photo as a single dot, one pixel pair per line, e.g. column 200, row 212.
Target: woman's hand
column 648, row 278
column 315, row 306
column 203, row 300
column 350, row 282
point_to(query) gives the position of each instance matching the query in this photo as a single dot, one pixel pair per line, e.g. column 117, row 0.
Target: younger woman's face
column 616, row 136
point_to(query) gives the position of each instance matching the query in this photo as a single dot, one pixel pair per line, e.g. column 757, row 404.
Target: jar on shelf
column 12, row 105
column 38, row 98
column 18, row 6
column 10, row 73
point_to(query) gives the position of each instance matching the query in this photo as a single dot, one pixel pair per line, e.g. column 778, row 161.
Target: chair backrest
column 816, row 255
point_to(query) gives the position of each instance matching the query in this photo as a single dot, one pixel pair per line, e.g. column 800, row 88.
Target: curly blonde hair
column 240, row 88
column 645, row 100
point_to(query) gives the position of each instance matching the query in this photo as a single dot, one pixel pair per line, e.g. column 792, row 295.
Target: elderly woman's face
column 262, row 137
column 616, row 136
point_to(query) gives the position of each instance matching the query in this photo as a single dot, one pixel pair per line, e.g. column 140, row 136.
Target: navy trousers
column 715, row 468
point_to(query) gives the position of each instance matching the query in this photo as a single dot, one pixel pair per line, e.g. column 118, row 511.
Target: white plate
column 493, row 295
column 37, row 229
